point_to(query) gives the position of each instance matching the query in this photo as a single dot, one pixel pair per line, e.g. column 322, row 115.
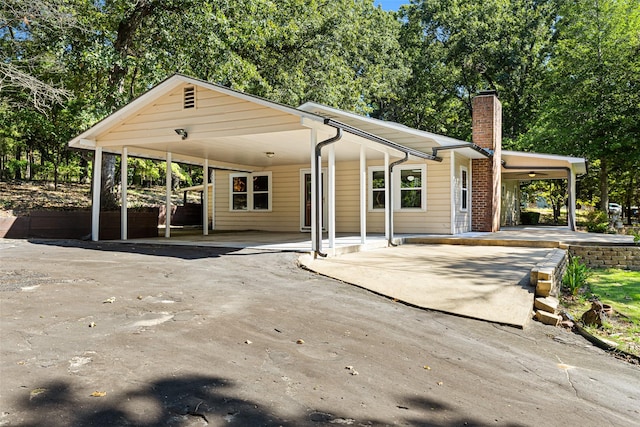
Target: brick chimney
column 486, row 173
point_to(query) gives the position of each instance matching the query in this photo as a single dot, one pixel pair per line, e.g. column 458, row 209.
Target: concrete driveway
column 482, row 282
column 99, row 334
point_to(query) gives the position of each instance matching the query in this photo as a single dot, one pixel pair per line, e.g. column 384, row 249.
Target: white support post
column 363, row 195
column 571, row 188
column 331, row 228
column 97, row 186
column 167, row 230
column 213, row 200
column 205, row 198
column 314, row 207
column 387, row 199
column 124, row 166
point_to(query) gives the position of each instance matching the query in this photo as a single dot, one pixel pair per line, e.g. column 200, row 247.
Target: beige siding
column 214, row 112
column 510, row 209
column 462, row 219
column 436, row 218
column 286, row 203
column 285, row 206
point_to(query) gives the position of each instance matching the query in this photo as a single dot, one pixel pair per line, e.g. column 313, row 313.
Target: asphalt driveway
column 108, row 335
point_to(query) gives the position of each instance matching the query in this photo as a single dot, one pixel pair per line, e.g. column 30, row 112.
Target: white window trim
column 371, row 170
column 462, row 196
column 249, row 177
column 397, row 189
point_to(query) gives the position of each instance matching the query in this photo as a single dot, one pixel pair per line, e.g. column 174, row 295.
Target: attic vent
column 189, row 97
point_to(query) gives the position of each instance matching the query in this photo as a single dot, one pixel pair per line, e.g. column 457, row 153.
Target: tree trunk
column 18, row 171
column 107, row 194
column 604, row 186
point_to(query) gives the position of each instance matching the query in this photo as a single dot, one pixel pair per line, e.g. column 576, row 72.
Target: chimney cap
column 488, row 92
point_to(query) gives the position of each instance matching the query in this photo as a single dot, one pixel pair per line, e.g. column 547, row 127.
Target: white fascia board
column 577, row 164
column 439, row 139
column 138, row 103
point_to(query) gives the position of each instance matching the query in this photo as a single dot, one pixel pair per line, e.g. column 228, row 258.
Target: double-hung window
column 464, row 188
column 250, row 191
column 409, row 188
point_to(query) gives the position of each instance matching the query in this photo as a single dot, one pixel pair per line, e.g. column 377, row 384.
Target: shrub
column 529, row 218
column 576, row 275
column 597, row 222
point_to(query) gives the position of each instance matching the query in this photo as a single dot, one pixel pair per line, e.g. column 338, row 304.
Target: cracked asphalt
column 99, row 334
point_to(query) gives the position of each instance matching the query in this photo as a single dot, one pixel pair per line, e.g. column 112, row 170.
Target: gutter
column 318, row 188
column 371, row 137
column 487, row 153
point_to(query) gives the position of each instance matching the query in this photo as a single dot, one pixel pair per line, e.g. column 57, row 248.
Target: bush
column 576, row 275
column 597, row 222
column 530, row 218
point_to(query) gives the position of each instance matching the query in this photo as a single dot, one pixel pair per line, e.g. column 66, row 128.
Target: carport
column 222, row 129
column 231, row 131
column 519, row 166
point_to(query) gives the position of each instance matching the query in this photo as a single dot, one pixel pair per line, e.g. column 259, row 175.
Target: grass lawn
column 621, row 290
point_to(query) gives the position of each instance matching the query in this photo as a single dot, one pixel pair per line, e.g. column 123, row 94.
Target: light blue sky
column 391, row 4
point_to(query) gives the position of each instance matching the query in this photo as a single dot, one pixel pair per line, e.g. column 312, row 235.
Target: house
column 318, row 169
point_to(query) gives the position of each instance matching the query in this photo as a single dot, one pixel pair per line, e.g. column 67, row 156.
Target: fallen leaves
column 98, row 394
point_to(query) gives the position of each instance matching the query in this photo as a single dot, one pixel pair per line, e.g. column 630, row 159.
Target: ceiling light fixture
column 532, row 174
column 182, row 132
column 270, row 154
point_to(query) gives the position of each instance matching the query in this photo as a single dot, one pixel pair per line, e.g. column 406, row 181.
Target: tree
column 461, row 47
column 592, row 107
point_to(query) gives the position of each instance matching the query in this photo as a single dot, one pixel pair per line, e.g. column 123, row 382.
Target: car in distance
column 615, row 209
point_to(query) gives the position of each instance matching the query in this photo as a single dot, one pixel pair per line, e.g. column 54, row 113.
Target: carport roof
column 519, row 165
column 233, row 129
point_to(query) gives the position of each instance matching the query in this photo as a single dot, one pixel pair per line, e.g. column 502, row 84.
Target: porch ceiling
column 520, row 166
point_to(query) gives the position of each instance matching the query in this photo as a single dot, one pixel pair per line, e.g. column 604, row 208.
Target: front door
column 305, row 199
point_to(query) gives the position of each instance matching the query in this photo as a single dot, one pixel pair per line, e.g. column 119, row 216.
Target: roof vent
column 189, row 97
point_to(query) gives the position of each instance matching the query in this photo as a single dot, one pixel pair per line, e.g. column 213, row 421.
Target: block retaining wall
column 546, row 275
column 622, row 257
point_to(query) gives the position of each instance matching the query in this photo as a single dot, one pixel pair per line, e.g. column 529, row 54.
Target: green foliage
column 597, row 222
column 529, row 218
column 576, row 275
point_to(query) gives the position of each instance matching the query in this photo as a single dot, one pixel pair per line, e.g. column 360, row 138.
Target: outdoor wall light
column 270, row 154
column 182, row 132
column 532, row 174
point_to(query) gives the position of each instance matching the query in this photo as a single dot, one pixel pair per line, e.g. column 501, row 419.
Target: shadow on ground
column 182, row 252
column 197, row 400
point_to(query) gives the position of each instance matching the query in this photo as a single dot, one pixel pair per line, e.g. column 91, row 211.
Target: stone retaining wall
column 546, row 275
column 623, row 257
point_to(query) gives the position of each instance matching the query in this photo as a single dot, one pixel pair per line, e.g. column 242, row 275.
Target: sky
column 391, row 4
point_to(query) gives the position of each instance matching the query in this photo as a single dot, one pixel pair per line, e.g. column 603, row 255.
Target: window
column 250, row 192
column 409, row 188
column 464, row 188
column 378, row 188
